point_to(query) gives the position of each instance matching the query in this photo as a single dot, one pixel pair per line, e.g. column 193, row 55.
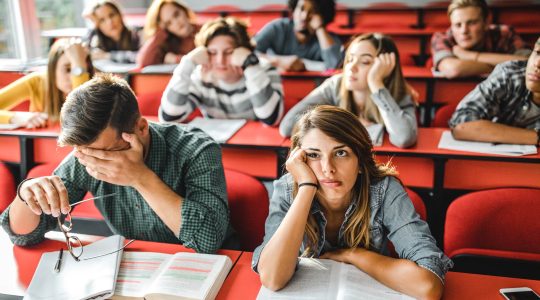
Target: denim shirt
column 393, row 218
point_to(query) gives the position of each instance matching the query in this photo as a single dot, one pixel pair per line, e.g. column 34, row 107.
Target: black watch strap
column 537, row 129
column 251, row 60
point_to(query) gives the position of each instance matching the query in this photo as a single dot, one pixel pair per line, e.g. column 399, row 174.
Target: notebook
column 221, row 130
column 328, row 279
column 448, row 142
column 85, row 279
column 184, row 275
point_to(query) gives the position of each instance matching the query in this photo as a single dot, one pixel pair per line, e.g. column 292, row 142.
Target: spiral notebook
column 85, row 279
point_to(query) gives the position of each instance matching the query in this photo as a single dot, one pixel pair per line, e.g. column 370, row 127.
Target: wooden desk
column 243, row 283
column 18, row 264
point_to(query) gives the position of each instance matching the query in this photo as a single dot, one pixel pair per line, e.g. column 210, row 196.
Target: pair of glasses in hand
column 74, row 244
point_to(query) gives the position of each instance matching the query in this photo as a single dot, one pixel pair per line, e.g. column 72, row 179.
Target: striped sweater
column 256, row 96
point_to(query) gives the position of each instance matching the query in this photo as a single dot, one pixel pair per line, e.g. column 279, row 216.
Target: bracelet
column 19, row 190
column 308, row 184
column 537, row 130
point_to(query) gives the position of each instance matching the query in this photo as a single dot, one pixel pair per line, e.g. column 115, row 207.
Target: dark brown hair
column 103, row 101
column 229, row 26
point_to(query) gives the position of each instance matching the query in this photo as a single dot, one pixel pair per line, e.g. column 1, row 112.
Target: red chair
column 85, row 210
column 7, row 187
column 418, row 203
column 248, row 204
column 443, row 115
column 495, row 232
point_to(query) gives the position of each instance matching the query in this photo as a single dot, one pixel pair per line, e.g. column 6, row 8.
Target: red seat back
column 500, row 219
column 7, row 187
column 443, row 115
column 248, row 204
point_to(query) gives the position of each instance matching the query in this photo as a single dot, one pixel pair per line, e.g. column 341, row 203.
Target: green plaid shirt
column 188, row 161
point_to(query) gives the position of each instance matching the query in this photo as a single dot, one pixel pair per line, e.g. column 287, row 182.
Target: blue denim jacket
column 393, row 218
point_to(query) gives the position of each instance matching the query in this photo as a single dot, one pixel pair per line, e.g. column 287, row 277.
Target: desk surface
column 243, row 283
column 427, row 146
column 18, row 264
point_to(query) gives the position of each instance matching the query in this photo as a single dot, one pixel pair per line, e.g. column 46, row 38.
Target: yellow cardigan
column 30, row 87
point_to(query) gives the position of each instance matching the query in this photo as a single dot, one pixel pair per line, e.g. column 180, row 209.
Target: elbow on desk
column 273, row 282
column 430, row 290
column 460, row 131
column 403, row 141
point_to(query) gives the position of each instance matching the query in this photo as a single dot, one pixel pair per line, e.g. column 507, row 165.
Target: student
column 111, row 39
column 68, row 67
column 168, row 181
column 337, row 203
column 287, row 41
column 224, row 78
column 371, row 86
column 504, row 108
column 471, row 46
column 169, row 33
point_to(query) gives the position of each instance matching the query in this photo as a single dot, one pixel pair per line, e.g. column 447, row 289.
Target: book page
column 191, row 275
column 448, row 142
column 221, row 130
column 9, row 126
column 137, row 272
column 314, row 279
column 355, row 284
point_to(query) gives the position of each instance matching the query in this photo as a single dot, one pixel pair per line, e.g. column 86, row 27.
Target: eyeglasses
column 74, row 244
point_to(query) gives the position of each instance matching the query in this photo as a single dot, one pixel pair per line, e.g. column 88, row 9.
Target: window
column 8, row 47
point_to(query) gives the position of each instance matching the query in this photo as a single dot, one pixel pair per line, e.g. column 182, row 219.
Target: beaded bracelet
column 19, row 190
column 308, row 184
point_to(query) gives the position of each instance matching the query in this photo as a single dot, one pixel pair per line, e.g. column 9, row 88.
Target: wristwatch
column 537, row 129
column 251, row 60
column 77, row 71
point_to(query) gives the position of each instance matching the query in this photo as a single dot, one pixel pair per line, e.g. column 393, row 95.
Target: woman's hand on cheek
column 297, row 165
column 382, row 67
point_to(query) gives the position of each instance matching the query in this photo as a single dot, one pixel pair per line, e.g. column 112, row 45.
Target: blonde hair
column 344, row 127
column 152, row 15
column 54, row 98
column 457, row 4
column 229, row 26
column 395, row 82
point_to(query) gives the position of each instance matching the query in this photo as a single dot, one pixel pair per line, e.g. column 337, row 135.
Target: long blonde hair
column 54, row 98
column 152, row 16
column 344, row 127
column 395, row 82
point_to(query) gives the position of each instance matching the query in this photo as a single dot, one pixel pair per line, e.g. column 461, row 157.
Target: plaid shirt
column 188, row 161
column 498, row 39
column 502, row 98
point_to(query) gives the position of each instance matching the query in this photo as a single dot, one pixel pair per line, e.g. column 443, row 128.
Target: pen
column 59, row 261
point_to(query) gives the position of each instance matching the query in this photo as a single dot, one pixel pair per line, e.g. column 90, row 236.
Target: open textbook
column 325, row 279
column 220, row 130
column 86, row 279
column 448, row 142
column 184, row 275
